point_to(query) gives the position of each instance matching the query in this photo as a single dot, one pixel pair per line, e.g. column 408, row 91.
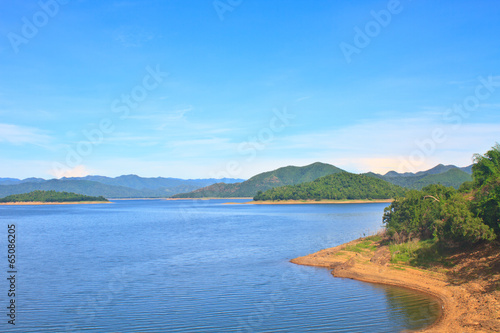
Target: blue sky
column 231, row 88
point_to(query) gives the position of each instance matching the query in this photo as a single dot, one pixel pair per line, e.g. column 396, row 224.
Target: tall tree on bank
column 486, row 172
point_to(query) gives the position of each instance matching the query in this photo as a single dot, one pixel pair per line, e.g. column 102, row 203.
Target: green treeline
column 50, row 196
column 338, row 186
column 448, row 216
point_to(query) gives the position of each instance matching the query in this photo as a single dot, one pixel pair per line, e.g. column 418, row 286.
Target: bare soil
column 468, row 288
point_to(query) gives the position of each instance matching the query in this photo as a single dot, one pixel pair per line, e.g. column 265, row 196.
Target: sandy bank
column 124, row 199
column 53, row 203
column 307, row 202
column 470, row 300
column 238, row 198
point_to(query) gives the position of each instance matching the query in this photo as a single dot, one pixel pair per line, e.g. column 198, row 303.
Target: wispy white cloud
column 490, row 105
column 302, row 99
column 162, row 120
column 173, row 116
column 212, row 142
column 24, row 168
column 78, row 171
column 381, row 146
column 124, row 138
column 209, row 148
column 20, row 135
column 463, row 82
column 178, row 124
column 132, row 36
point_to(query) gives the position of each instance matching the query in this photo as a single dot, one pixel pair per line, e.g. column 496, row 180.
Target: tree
column 486, row 174
column 436, row 212
column 486, row 167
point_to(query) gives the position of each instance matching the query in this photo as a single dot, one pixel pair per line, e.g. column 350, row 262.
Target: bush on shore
column 448, row 216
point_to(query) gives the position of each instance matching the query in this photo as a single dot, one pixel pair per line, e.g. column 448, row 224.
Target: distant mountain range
column 447, row 175
column 132, row 186
column 128, row 186
column 440, row 168
column 14, row 181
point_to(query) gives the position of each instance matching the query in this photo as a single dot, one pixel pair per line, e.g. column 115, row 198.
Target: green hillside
column 290, row 175
column 339, row 186
column 50, row 196
column 447, row 175
column 451, row 178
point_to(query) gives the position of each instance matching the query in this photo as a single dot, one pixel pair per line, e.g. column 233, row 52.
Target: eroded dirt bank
column 468, row 289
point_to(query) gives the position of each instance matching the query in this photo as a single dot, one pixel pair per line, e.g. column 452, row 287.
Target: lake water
column 194, row 266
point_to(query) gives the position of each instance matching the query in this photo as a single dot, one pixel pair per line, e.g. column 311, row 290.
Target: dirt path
column 469, row 292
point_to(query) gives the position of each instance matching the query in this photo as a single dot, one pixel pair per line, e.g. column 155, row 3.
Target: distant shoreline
column 309, row 202
column 210, row 198
column 136, row 199
column 37, row 203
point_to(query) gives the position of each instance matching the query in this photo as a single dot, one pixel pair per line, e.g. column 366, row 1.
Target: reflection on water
column 411, row 308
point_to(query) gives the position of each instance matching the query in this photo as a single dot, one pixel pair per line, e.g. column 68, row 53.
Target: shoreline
column 209, row 198
column 117, row 199
column 465, row 306
column 310, row 202
column 39, row 203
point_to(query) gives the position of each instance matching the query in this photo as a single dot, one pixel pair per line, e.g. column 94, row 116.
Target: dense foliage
column 466, row 216
column 339, row 186
column 289, row 175
column 50, row 196
column 486, row 202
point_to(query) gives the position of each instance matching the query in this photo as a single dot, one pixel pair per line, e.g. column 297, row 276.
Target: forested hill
column 51, row 196
column 446, row 175
column 290, row 175
column 339, row 186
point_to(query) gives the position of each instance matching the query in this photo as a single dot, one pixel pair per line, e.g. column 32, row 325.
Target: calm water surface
column 195, row 266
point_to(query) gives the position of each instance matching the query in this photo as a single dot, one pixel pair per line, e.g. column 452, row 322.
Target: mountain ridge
column 106, row 186
column 448, row 175
column 289, row 175
column 134, row 186
column 440, row 168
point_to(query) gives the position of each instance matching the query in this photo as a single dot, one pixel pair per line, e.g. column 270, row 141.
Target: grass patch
column 399, row 268
column 420, row 254
column 403, row 252
column 374, row 238
column 367, row 244
column 361, row 247
column 353, row 248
